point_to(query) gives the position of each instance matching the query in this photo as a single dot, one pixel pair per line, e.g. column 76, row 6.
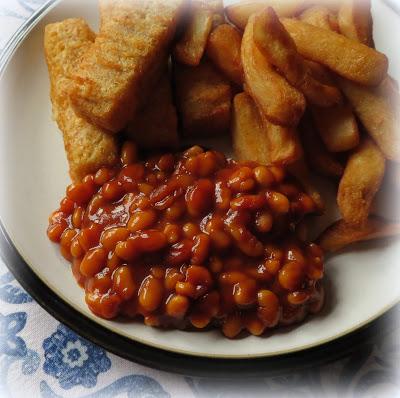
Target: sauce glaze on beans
column 191, row 241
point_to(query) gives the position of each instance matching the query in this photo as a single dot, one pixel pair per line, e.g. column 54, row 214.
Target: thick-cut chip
column 190, row 47
column 203, row 99
column 126, row 59
column 88, row 147
column 360, row 182
column 337, row 127
column 355, row 20
column 379, row 113
column 249, row 135
column 346, row 57
column 341, row 234
column 320, row 160
column 279, row 102
column 223, row 48
column 320, row 16
column 279, row 49
column 300, row 171
column 155, row 126
column 240, row 13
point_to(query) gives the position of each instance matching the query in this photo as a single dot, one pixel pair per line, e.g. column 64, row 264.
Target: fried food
column 190, row 47
column 320, row 160
column 337, row 127
column 203, row 99
column 355, row 20
column 341, row 234
column 279, row 102
column 249, row 135
column 346, row 57
column 378, row 111
column 88, row 147
column 155, row 126
column 125, row 60
column 320, row 16
column 279, row 49
column 223, row 48
column 360, row 182
column 301, row 172
column 240, row 13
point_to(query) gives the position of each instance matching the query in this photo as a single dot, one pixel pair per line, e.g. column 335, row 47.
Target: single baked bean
column 66, row 252
column 141, row 220
column 264, row 221
column 263, row 176
column 253, row 324
column 112, row 236
column 278, row 172
column 93, row 262
column 151, row 240
column 193, row 151
column 232, row 277
column 177, row 306
column 151, row 293
column 232, row 325
column 77, row 217
column 272, row 266
column 197, row 275
column 106, row 306
column 220, row 239
column 200, row 249
column 113, row 261
column 246, row 241
column 173, row 233
column 298, row 297
column 245, row 292
column 176, row 210
column 54, row 231
column 128, row 153
column 190, row 230
column 80, row 193
column 199, row 197
column 157, row 272
column 67, row 206
column 180, row 252
column 145, row 188
column 66, row 238
column 186, row 289
column 277, row 202
column 166, row 162
column 89, row 237
column 294, row 253
column 199, row 320
column 112, row 191
column 291, row 275
column 124, row 282
column 129, row 249
column 76, row 248
column 172, row 277
column 242, row 180
column 269, row 310
column 103, row 175
column 248, row 202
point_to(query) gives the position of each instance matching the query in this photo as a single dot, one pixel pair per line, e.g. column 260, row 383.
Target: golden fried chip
column 203, row 99
column 88, row 147
column 341, row 234
column 280, row 103
column 155, row 126
column 360, row 182
column 346, row 57
column 320, row 16
column 127, row 58
column 223, row 48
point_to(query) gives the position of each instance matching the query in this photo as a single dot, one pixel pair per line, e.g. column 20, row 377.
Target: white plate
column 362, row 283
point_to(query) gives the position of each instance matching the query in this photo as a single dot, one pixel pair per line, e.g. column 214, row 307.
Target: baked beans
column 191, row 241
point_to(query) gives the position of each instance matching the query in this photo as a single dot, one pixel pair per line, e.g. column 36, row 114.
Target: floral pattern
column 53, row 362
column 72, row 360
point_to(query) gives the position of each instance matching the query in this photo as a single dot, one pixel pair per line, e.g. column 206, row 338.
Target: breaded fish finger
column 125, row 61
column 87, row 146
column 155, row 126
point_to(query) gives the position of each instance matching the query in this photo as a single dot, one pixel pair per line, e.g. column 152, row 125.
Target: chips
column 346, row 57
column 321, row 17
column 223, row 48
column 279, row 49
column 360, row 182
column 279, row 102
column 341, row 234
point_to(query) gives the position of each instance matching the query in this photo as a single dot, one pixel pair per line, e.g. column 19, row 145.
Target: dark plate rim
column 155, row 357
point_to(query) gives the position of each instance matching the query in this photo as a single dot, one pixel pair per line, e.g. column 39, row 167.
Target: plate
column 362, row 284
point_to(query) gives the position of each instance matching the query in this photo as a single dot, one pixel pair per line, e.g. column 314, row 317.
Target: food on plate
column 341, row 234
column 240, row 12
column 346, row 57
column 191, row 241
column 203, row 99
column 223, row 49
column 355, row 20
column 320, row 16
column 87, row 146
column 337, row 127
column 190, row 48
column 378, row 113
column 196, row 239
column 320, row 160
column 279, row 102
column 360, row 182
column 279, row 49
column 126, row 57
column 156, row 125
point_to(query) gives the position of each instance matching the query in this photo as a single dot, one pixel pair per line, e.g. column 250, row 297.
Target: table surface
column 40, row 357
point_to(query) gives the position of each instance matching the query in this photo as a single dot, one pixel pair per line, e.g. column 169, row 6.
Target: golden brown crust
column 125, row 60
column 87, row 146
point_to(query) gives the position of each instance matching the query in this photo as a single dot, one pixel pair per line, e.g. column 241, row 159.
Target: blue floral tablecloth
column 39, row 357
